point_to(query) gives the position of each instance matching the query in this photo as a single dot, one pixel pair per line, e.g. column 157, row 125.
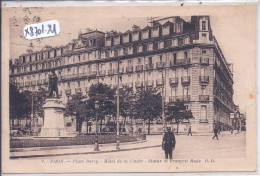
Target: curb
column 81, row 153
column 70, row 146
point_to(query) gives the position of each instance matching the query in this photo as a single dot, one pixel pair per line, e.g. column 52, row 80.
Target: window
column 129, row 63
column 48, row 54
column 30, row 67
column 130, row 50
column 203, row 113
column 36, row 55
column 150, row 60
column 175, row 42
column 203, row 25
column 23, row 59
column 140, row 48
column 79, row 57
column 160, row 58
column 204, row 51
column 139, row 60
column 202, row 71
column 174, row 58
column 55, row 53
column 161, row 44
column 185, row 55
column 150, row 47
column 186, row 40
column 204, row 35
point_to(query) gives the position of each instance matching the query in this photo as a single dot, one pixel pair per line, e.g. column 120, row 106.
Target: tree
column 78, row 108
column 126, row 104
column 178, row 112
column 106, row 98
column 19, row 103
column 148, row 105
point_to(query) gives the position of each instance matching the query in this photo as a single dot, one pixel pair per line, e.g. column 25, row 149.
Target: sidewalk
column 152, row 141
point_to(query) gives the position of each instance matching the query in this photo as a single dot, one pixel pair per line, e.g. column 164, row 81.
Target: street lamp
column 96, row 135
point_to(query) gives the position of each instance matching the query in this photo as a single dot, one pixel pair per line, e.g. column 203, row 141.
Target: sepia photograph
column 129, row 89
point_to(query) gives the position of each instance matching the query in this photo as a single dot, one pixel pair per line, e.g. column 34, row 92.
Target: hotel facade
column 182, row 57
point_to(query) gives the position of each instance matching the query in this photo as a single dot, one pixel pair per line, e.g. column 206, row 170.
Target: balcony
column 204, row 79
column 111, row 72
column 159, row 82
column 149, row 66
column 203, row 120
column 102, row 73
column 93, row 73
column 180, row 62
column 149, row 83
column 204, row 61
column 185, row 98
column 33, row 83
column 173, row 81
column 129, row 69
column 68, row 92
column 121, row 70
column 204, row 97
column 45, row 81
column 139, row 84
column 160, row 65
column 78, row 90
column 130, row 85
column 28, row 83
column 139, row 68
column 172, row 99
column 185, row 80
column 65, row 77
column 39, row 82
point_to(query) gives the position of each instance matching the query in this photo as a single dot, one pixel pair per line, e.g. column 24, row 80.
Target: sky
column 234, row 31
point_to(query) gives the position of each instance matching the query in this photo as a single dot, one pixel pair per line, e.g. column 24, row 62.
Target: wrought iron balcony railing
column 149, row 83
column 173, row 81
column 149, row 66
column 160, row 65
column 204, row 61
column 204, row 79
column 204, row 97
column 185, row 80
column 139, row 68
column 129, row 69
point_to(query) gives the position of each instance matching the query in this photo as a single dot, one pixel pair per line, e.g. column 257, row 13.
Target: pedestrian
column 215, row 133
column 168, row 143
column 189, row 131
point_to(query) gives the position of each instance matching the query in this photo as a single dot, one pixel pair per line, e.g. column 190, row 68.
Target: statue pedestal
column 53, row 119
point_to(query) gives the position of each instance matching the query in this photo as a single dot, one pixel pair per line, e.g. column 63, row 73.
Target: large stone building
column 183, row 57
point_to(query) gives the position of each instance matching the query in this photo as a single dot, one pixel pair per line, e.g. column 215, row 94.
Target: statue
column 53, row 85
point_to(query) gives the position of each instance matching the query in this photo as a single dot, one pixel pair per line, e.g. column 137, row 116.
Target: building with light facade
column 182, row 57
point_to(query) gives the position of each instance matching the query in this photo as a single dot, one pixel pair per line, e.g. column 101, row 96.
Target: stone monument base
column 53, row 119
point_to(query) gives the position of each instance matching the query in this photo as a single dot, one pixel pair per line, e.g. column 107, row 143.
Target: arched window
column 103, row 54
column 112, row 53
column 150, row 47
column 140, row 48
column 175, row 42
column 130, row 50
column 121, row 51
column 161, row 44
column 202, row 71
column 186, row 40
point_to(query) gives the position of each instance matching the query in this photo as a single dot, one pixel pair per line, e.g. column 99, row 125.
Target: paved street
column 231, row 146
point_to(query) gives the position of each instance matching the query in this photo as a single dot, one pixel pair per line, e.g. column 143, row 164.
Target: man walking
column 215, row 133
column 189, row 131
column 168, row 143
